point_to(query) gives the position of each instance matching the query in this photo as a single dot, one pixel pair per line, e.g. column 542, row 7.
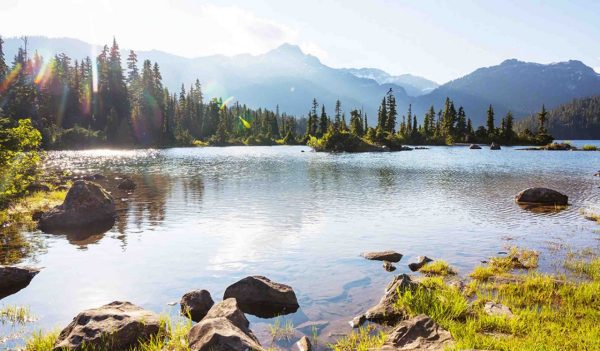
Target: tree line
column 95, row 101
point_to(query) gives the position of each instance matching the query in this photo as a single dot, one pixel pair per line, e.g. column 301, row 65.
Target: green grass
column 584, row 264
column 15, row 314
column 588, row 147
column 281, row 331
column 363, row 339
column 437, row 268
column 500, row 265
column 40, row 341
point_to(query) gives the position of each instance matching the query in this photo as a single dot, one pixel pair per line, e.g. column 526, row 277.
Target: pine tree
column 542, row 119
column 3, row 65
column 323, row 122
column 337, row 121
column 382, row 117
column 490, row 122
column 390, row 125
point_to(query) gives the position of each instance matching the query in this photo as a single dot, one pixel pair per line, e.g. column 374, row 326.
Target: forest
column 579, row 119
column 99, row 102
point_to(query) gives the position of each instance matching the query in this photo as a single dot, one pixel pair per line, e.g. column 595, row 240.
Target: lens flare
column 10, row 77
column 44, row 72
column 226, row 102
column 245, row 123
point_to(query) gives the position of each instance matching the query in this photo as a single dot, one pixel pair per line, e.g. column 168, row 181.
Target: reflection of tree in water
column 16, row 245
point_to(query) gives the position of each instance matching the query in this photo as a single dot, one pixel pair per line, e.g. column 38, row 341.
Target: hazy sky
column 440, row 40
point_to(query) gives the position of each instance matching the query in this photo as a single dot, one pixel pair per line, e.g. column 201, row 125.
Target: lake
column 203, row 218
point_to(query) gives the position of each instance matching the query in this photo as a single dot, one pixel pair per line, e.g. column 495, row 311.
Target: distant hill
column 521, row 87
column 414, row 85
column 290, row 78
column 578, row 119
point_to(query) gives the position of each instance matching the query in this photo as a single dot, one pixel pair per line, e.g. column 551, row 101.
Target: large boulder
column 385, row 312
column 541, row 196
column 262, row 297
column 223, row 328
column 116, row 326
column 418, row 333
column 475, row 147
column 196, row 304
column 13, row 279
column 390, row 256
column 87, row 208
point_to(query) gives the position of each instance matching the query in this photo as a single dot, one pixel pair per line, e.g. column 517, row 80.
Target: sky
column 439, row 40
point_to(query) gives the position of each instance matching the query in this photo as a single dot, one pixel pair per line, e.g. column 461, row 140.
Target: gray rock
column 418, row 333
column 474, row 147
column 541, row 196
column 495, row 146
column 13, row 279
column 223, row 328
column 388, row 266
column 390, row 256
column 262, row 297
column 116, row 326
column 421, row 261
column 196, row 304
column 304, row 344
column 87, row 208
column 497, row 309
column 385, row 311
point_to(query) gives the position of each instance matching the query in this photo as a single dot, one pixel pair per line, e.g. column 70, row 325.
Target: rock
column 13, row 279
column 96, row 176
column 418, row 333
column 36, row 215
column 127, row 184
column 495, row 146
column 385, row 312
column 223, row 328
column 196, row 304
column 87, row 207
column 541, row 196
column 304, row 344
column 391, row 256
column 474, row 147
column 261, row 297
column 421, row 261
column 597, row 174
column 497, row 309
column 388, row 266
column 116, row 326
column 358, row 321
column 33, row 187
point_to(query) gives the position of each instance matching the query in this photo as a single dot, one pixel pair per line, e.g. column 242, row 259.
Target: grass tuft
column 437, row 268
column 363, row 339
column 16, row 314
column 281, row 331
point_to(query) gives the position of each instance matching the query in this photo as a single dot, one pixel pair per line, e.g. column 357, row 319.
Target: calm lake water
column 202, row 218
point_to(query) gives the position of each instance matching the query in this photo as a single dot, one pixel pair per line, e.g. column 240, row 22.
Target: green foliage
column 364, row 339
column 19, row 157
column 340, row 142
column 437, row 268
column 588, row 147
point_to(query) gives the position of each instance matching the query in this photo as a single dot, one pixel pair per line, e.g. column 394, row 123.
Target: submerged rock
column 304, row 344
column 196, row 304
column 421, row 261
column 389, row 255
column 13, row 279
column 116, row 326
column 262, row 297
column 474, row 147
column 541, row 196
column 497, row 309
column 385, row 311
column 418, row 333
column 388, row 266
column 223, row 328
column 127, row 184
column 87, row 208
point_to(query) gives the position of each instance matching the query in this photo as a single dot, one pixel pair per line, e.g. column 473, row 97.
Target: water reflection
column 204, row 218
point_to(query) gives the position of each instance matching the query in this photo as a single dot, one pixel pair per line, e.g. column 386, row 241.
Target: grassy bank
column 549, row 311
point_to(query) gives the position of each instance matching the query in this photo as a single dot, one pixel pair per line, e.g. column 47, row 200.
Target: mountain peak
column 288, row 49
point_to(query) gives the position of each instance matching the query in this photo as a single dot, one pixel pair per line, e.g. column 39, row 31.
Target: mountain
column 521, row 87
column 578, row 119
column 290, row 78
column 414, row 85
column 284, row 76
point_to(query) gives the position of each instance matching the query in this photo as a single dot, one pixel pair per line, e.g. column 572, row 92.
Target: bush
column 79, row 138
column 339, row 142
column 19, row 157
column 590, row 148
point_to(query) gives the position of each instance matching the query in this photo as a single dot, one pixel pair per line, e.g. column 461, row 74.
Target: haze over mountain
column 414, row 85
column 287, row 77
